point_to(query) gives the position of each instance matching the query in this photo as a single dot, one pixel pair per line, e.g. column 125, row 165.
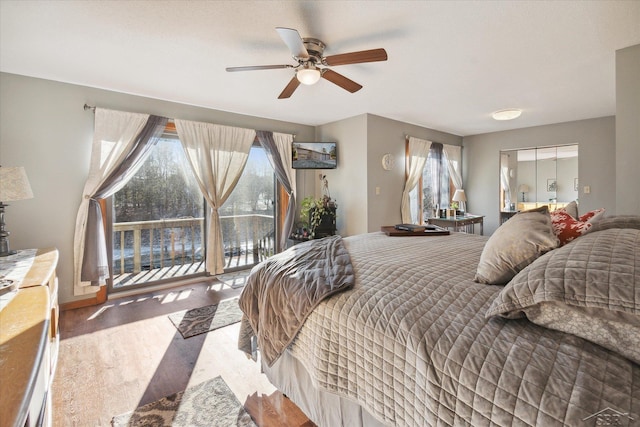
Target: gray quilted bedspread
column 410, row 343
column 281, row 292
column 589, row 288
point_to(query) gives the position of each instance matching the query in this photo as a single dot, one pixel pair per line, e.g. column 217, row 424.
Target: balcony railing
column 152, row 250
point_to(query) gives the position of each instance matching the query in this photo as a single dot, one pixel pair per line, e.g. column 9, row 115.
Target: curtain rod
column 93, row 108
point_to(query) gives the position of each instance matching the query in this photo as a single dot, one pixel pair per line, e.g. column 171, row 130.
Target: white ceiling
column 451, row 63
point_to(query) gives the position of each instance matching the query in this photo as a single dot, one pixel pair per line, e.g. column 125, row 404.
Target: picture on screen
column 314, row 155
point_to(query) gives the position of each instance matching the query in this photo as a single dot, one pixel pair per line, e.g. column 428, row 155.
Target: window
column 248, row 217
column 158, row 221
column 435, row 188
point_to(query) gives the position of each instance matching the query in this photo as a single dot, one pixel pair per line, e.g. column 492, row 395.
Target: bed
column 375, row 330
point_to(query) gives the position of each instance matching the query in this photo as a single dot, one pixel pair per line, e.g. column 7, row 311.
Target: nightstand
column 461, row 223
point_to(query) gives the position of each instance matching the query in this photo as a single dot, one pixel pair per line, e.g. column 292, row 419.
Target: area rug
column 235, row 280
column 207, row 404
column 204, row 319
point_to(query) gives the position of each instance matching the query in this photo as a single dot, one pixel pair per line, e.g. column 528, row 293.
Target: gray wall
column 45, row 129
column 389, row 136
column 348, row 181
column 596, row 165
column 362, row 141
column 628, row 130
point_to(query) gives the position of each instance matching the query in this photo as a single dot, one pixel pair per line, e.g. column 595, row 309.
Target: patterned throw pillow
column 568, row 228
column 592, row 216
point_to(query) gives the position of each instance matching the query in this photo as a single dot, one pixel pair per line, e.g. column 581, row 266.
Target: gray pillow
column 516, row 244
column 572, row 209
column 615, row 221
column 588, row 288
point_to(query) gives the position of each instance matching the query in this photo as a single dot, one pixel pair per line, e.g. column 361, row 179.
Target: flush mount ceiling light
column 308, row 75
column 507, row 114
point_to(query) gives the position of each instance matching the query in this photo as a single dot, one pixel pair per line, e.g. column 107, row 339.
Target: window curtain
column 453, row 154
column 504, row 181
column 121, row 142
column 217, row 155
column 278, row 149
column 417, row 153
column 438, row 180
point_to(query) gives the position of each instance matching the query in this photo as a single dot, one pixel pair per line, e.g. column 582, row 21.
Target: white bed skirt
column 323, row 408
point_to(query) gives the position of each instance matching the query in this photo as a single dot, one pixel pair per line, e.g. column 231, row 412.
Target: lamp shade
column 308, row 76
column 524, row 188
column 459, row 196
column 14, row 184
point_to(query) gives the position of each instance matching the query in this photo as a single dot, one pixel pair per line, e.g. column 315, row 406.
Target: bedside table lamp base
column 4, row 235
column 14, row 185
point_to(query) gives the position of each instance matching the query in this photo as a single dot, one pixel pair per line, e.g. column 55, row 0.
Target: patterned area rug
column 235, row 280
column 204, row 319
column 207, row 404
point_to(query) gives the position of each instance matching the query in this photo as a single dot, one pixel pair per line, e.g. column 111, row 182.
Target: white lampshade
column 14, row 184
column 524, row 188
column 459, row 196
column 308, row 76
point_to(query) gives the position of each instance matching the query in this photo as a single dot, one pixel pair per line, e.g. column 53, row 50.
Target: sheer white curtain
column 283, row 142
column 418, row 151
column 453, row 154
column 504, row 180
column 113, row 139
column 217, row 155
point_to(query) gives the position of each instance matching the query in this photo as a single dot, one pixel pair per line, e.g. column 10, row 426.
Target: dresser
column 29, row 337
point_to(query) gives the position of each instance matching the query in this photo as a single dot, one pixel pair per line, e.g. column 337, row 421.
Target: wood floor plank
column 126, row 352
column 275, row 410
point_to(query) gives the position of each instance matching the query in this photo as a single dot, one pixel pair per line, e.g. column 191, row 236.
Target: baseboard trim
column 98, row 298
column 101, row 296
column 160, row 287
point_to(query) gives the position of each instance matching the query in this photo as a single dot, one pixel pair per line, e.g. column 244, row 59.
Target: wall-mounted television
column 314, row 155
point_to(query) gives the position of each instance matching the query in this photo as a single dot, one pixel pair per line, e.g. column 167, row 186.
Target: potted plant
column 318, row 213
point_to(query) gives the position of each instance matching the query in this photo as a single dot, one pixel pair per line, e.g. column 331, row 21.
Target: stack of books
column 411, row 227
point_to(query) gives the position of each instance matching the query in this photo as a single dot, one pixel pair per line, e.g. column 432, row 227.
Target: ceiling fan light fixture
column 308, row 76
column 507, row 114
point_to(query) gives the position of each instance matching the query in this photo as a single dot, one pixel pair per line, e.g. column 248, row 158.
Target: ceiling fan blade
column 372, row 55
column 292, row 39
column 290, row 88
column 340, row 80
column 258, row 67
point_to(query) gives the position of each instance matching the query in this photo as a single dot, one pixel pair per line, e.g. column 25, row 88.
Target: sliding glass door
column 157, row 220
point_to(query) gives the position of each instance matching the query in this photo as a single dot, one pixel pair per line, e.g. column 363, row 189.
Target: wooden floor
column 125, row 353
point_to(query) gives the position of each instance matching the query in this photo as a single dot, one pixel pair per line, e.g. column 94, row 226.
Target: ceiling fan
column 308, row 52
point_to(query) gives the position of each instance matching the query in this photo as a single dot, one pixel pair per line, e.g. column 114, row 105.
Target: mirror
column 534, row 177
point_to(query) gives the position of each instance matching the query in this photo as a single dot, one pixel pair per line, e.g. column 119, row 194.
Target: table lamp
column 524, row 188
column 14, row 185
column 461, row 198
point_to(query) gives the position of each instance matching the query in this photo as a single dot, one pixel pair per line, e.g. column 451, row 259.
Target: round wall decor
column 388, row 161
